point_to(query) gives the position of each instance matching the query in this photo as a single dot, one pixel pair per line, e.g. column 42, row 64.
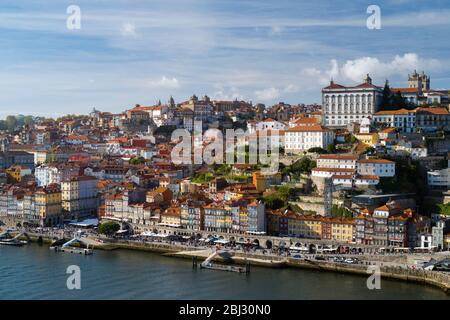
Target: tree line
column 13, row 122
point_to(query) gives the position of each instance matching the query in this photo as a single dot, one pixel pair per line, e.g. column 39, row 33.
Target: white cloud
column 128, row 30
column 275, row 30
column 267, row 95
column 224, row 93
column 291, row 88
column 164, row 82
column 322, row 77
column 355, row 70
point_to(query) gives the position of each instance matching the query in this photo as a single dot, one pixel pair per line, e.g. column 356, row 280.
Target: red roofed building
column 302, row 138
column 304, row 121
column 376, row 167
column 337, row 161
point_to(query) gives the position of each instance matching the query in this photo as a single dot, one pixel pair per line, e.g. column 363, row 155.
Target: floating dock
column 7, row 240
column 13, row 242
column 220, row 267
column 84, row 251
column 66, row 247
column 207, row 264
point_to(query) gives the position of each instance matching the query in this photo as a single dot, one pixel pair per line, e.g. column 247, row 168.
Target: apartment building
column 404, row 120
column 48, row 205
column 376, row 167
column 171, row 217
column 302, row 138
column 288, row 223
column 385, row 226
column 79, row 197
column 192, row 216
column 337, row 161
column 219, row 217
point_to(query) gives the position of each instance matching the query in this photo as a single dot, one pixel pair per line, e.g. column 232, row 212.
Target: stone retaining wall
column 434, row 278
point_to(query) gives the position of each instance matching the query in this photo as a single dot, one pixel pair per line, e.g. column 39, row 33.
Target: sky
column 129, row 52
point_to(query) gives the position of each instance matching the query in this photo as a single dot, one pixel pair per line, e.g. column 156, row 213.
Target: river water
column 35, row 272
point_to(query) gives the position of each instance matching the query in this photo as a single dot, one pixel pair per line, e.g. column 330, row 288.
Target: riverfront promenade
column 395, row 266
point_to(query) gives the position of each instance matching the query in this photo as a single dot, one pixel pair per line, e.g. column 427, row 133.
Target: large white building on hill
column 343, row 105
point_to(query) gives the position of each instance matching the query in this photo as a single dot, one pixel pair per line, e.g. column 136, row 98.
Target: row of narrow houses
column 50, row 205
column 385, row 226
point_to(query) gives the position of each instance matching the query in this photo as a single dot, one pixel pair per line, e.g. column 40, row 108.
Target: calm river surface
column 35, row 272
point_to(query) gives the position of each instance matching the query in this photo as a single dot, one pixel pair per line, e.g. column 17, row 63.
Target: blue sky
column 130, row 51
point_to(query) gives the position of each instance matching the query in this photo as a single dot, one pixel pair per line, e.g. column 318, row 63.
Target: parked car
column 350, row 260
column 297, row 256
column 320, row 258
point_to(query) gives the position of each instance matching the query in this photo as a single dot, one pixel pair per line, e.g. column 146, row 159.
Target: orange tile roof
column 388, row 130
column 333, row 170
column 317, row 128
column 305, row 120
column 368, row 177
column 394, row 112
column 376, row 161
column 405, row 90
column 439, row 111
column 343, row 176
column 338, row 157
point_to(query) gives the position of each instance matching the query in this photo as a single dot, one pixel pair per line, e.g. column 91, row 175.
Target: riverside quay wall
column 434, row 278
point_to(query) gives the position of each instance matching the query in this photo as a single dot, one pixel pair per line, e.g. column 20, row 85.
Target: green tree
column 11, row 123
column 285, row 192
column 409, row 178
column 273, row 202
column 398, row 102
column 444, row 209
column 369, row 150
column 203, row 178
column 165, row 130
column 171, row 102
column 338, row 211
column 28, row 120
column 350, row 139
column 304, row 165
column 109, row 228
column 221, row 169
column 137, row 160
column 393, row 100
column 331, row 148
column 386, row 103
column 436, row 104
column 317, row 150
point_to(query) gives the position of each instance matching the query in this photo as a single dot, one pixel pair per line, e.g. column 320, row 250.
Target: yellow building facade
column 48, row 204
column 370, row 139
column 342, row 231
